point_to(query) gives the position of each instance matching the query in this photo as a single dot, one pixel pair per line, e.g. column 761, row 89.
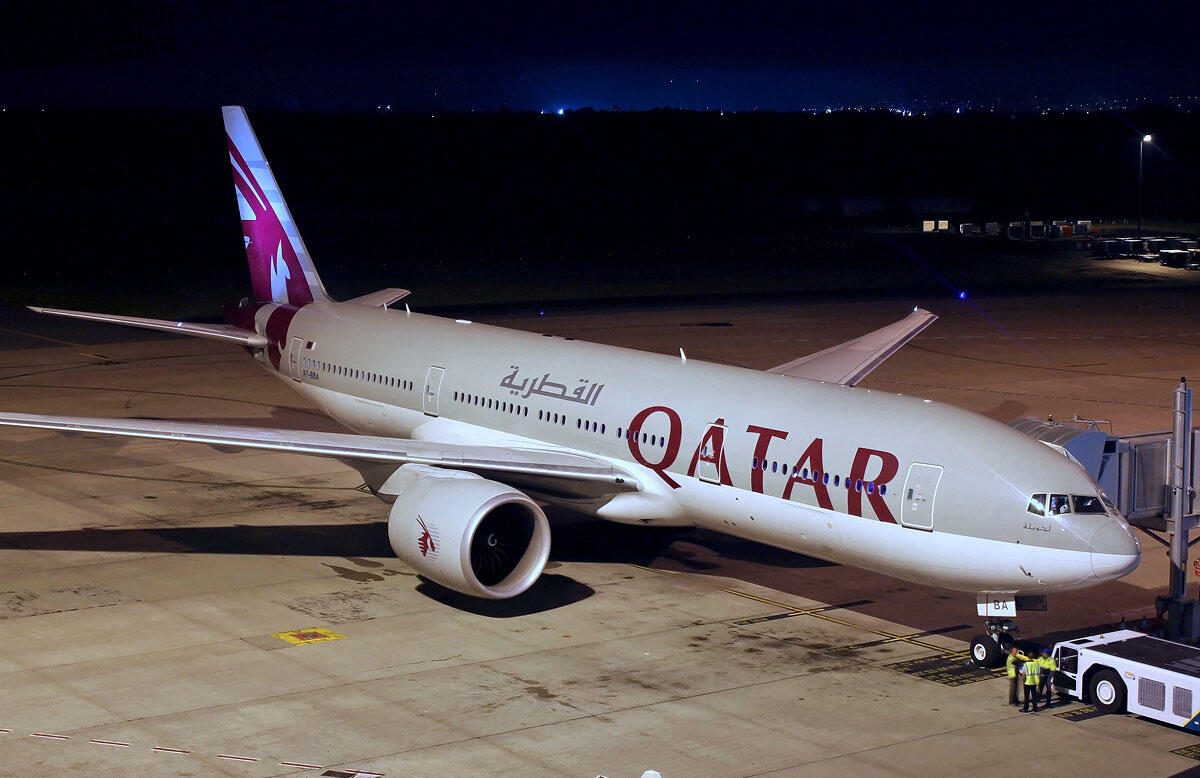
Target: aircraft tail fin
column 281, row 269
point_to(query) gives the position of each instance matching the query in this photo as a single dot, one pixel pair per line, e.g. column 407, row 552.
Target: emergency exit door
column 920, row 489
column 433, row 387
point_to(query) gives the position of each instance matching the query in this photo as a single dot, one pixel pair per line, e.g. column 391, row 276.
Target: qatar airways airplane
column 470, row 430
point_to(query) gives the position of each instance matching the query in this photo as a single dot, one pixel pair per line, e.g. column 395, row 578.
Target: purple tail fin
column 281, row 270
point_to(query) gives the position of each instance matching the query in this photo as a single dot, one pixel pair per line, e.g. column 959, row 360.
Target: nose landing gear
column 990, row 649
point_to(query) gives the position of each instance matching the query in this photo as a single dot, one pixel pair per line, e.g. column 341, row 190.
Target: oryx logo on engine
column 426, row 542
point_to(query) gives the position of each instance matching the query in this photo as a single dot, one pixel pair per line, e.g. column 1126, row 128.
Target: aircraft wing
column 850, row 362
column 222, row 332
column 545, row 470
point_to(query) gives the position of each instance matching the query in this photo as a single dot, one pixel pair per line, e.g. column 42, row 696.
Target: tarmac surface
column 170, row 609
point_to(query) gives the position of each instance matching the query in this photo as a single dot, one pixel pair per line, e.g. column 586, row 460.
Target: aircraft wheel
column 985, row 652
column 1107, row 691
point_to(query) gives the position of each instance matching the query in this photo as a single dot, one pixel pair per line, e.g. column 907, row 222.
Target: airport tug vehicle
column 1127, row 670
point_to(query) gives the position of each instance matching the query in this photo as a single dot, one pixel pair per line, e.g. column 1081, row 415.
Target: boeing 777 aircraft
column 469, row 430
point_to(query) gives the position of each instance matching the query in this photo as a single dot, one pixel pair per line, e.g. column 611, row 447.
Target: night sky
column 698, row 55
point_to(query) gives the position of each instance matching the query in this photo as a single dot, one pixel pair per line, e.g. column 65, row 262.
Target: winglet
column 850, row 362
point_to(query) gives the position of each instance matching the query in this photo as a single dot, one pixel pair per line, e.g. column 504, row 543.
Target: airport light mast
column 1147, row 138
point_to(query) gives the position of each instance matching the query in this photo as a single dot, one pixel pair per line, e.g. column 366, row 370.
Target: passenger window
column 1037, row 505
column 835, row 479
column 774, row 467
column 883, row 488
column 1059, row 503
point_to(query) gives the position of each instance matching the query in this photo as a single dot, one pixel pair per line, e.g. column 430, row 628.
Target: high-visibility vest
column 1032, row 670
column 1010, row 664
column 1047, row 663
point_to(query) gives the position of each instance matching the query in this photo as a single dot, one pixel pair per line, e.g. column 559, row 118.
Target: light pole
column 1147, row 138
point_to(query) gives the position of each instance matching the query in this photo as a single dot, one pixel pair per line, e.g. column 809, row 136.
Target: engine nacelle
column 469, row 534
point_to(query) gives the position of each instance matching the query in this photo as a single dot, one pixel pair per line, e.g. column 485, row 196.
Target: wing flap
column 850, row 362
column 222, row 332
column 591, row 474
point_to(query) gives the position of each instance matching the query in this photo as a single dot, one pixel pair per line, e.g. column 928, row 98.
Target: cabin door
column 711, row 460
column 433, row 387
column 920, row 489
column 294, row 358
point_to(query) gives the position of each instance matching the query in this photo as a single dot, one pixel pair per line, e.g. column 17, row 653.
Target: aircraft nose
column 1115, row 550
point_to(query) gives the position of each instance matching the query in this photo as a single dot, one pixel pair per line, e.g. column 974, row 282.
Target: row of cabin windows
column 590, row 426
column 523, row 410
column 647, row 439
column 360, row 375
column 856, row 485
column 490, row 404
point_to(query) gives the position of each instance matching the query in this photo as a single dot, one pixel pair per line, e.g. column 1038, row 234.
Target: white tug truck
column 1127, row 670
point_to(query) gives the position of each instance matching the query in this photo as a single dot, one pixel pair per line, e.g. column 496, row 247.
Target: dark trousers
column 1031, row 691
column 1013, row 684
column 1045, row 689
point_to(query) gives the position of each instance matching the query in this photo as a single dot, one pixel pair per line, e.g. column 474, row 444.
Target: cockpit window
column 1037, row 505
column 1089, row 503
column 1107, row 503
column 1059, row 503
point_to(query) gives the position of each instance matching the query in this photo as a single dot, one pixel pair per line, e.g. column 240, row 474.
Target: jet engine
column 469, row 534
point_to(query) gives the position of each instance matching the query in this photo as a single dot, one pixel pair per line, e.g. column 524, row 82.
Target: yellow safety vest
column 1031, row 673
column 1010, row 663
column 1047, row 663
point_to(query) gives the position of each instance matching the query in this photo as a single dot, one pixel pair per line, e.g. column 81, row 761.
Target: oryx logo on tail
column 279, row 276
column 280, row 268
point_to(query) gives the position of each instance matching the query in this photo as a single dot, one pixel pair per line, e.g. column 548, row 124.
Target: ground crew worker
column 1011, row 663
column 1030, row 670
column 1047, row 667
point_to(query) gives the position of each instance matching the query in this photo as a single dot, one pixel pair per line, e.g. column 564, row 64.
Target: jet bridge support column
column 1180, row 488
column 1183, row 614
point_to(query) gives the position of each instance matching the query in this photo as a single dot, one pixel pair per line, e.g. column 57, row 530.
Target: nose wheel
column 988, row 650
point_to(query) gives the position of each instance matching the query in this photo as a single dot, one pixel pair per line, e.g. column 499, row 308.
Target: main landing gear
column 989, row 650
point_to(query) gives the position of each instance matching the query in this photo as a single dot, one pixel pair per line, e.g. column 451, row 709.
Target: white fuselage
column 912, row 488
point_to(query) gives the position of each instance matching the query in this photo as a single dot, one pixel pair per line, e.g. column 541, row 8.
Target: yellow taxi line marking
column 816, row 614
column 42, row 337
column 652, row 569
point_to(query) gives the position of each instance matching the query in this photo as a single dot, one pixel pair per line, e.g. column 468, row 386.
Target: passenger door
column 294, row 358
column 711, row 461
column 433, row 387
column 920, row 489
